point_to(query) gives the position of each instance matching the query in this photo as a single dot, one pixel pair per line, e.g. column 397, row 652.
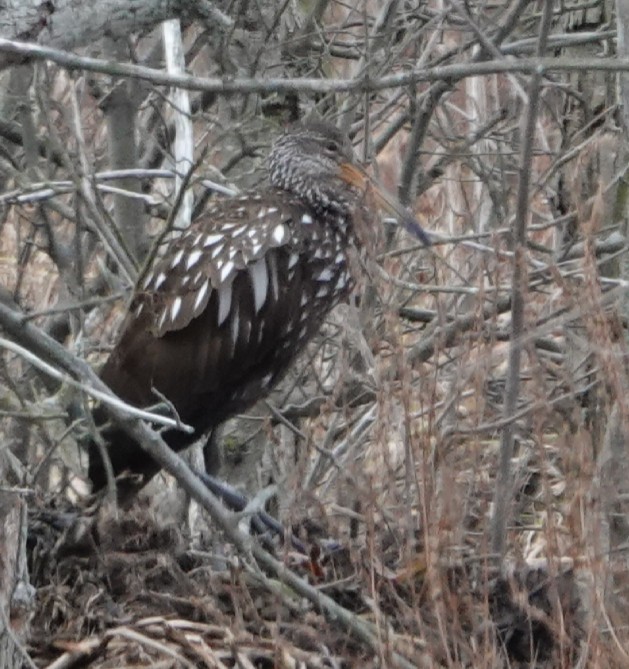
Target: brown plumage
column 217, row 320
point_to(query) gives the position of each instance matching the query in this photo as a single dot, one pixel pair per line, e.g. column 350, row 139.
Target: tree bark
column 16, row 595
column 120, row 108
column 67, row 24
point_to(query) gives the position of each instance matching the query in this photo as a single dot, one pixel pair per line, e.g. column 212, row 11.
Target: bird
column 220, row 315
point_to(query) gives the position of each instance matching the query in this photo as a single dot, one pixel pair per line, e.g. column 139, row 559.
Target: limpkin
column 219, row 317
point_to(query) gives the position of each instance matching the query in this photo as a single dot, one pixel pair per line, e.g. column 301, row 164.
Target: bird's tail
column 131, row 465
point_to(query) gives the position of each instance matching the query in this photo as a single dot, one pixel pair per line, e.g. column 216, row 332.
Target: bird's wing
column 225, row 324
column 227, row 239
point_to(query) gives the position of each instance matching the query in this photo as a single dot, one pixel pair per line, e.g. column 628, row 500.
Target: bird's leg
column 211, row 451
column 261, row 522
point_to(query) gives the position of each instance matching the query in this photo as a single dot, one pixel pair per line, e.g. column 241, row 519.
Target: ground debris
column 131, row 593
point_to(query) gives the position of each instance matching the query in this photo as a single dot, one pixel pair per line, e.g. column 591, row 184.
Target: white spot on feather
column 212, row 239
column 279, row 233
column 201, row 294
column 226, row 269
column 259, row 283
column 216, row 251
column 224, row 302
column 159, row 280
column 175, row 308
column 256, row 248
column 306, row 218
column 193, row 259
column 262, row 213
column 235, row 323
column 177, row 259
column 324, row 275
column 292, row 260
column 273, row 276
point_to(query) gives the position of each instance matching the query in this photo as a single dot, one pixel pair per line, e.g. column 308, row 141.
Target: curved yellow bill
column 357, row 177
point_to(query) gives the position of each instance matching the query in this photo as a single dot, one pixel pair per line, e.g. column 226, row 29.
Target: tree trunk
column 16, row 594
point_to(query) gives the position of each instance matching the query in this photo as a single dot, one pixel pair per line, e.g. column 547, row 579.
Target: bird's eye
column 332, row 147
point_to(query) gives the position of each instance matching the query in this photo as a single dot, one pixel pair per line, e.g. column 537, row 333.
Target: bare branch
column 104, row 396
column 504, row 492
column 540, row 66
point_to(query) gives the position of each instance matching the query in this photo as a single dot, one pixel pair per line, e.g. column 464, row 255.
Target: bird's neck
column 324, row 197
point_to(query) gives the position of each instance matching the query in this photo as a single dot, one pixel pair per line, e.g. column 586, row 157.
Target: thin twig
column 246, row 85
column 104, row 396
column 254, row 556
column 503, row 492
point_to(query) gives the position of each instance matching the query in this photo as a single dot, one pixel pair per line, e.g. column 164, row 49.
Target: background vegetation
column 451, row 451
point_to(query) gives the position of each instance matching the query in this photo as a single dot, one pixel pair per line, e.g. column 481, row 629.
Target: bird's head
column 316, row 162
column 307, row 161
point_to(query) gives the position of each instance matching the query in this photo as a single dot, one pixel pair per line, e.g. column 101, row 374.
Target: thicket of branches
column 458, row 430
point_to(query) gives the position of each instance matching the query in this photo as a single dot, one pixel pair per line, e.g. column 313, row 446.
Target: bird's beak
column 357, row 177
